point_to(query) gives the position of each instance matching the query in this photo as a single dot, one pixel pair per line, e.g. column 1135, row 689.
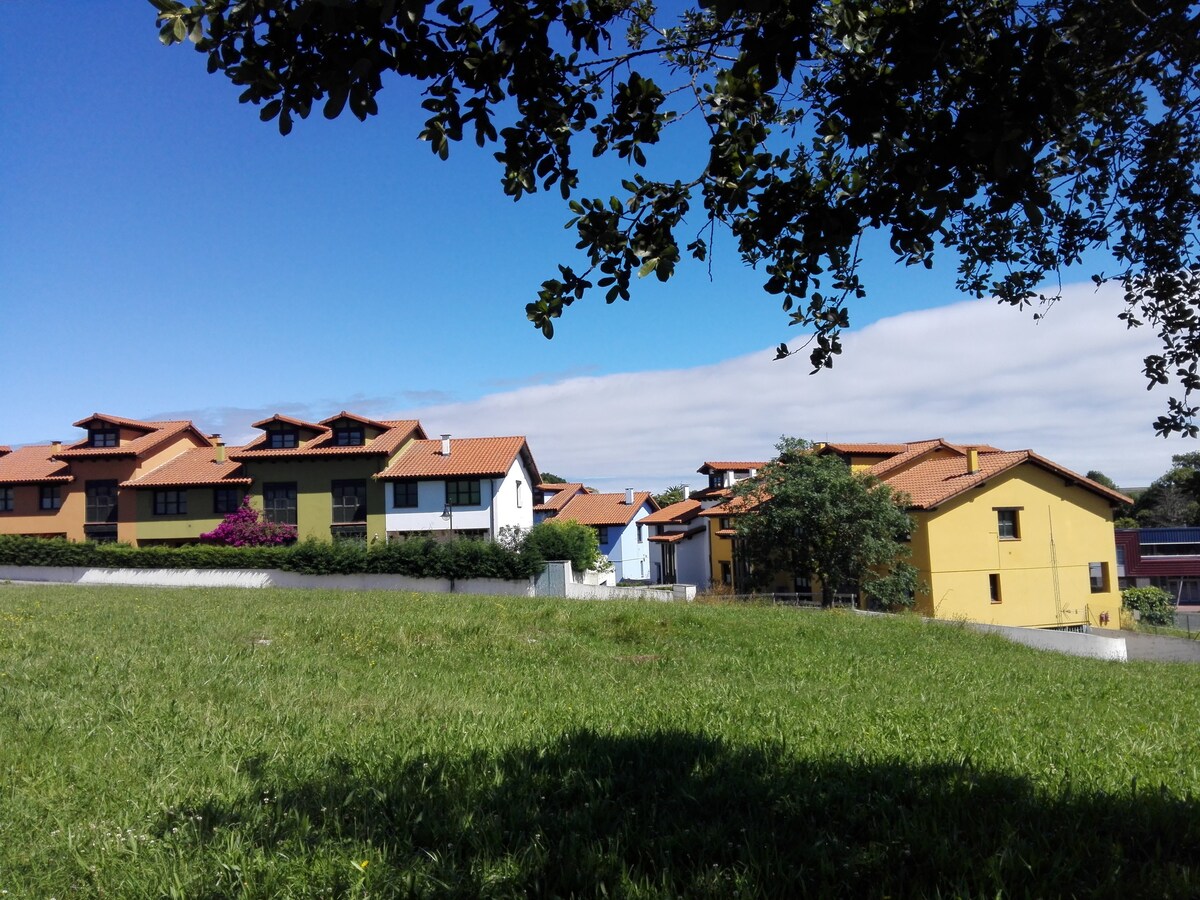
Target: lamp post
column 448, row 513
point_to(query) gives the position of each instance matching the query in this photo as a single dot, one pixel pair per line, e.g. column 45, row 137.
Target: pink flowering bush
column 245, row 527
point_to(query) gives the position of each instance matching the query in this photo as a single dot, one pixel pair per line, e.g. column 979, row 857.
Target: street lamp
column 448, row 513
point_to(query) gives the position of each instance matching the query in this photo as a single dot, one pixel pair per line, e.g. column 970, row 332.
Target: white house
column 471, row 487
column 614, row 516
column 678, row 544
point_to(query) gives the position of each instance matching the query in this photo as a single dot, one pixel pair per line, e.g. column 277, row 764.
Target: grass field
column 187, row 743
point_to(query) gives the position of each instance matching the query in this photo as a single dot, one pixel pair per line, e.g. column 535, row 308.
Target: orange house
column 91, row 504
column 32, row 484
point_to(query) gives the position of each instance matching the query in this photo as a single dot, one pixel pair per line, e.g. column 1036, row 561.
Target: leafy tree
column 551, row 478
column 565, row 539
column 808, row 514
column 673, row 494
column 1125, row 510
column 1173, row 499
column 1014, row 137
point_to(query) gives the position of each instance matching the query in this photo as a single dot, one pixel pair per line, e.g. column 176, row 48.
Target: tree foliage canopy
column 808, row 514
column 1014, row 137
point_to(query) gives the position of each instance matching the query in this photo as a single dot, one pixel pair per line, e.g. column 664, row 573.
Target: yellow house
column 1002, row 537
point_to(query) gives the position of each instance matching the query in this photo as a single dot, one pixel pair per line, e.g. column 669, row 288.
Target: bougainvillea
column 246, row 527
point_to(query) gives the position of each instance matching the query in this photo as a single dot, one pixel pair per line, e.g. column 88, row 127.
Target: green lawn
column 198, row 743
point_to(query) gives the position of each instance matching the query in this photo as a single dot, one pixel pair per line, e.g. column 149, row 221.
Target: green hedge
column 416, row 557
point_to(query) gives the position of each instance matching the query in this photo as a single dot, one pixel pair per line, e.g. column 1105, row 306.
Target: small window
column 404, row 494
column 518, row 495
column 283, row 440
column 725, row 523
column 994, row 587
column 716, row 480
column 349, row 501
column 50, row 497
column 602, row 534
column 6, row 499
column 463, row 492
column 641, row 533
column 170, row 503
column 1098, row 575
column 104, row 437
column 726, row 572
column 355, row 533
column 279, row 503
column 1008, row 524
column 350, row 436
column 226, row 500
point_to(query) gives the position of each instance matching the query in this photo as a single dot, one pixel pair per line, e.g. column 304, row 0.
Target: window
column 716, row 479
column 6, row 499
column 1008, row 524
column 170, row 503
column 283, row 439
column 404, row 494
column 279, row 503
column 602, row 534
column 1098, row 575
column 50, row 497
column 518, row 495
column 356, row 533
column 725, row 523
column 349, row 436
column 101, row 502
column 641, row 534
column 726, row 572
column 226, row 500
column 994, row 587
column 349, row 502
column 463, row 492
column 103, row 437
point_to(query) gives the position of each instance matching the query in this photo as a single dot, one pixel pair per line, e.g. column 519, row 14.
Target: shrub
column 246, row 527
column 564, row 539
column 1156, row 605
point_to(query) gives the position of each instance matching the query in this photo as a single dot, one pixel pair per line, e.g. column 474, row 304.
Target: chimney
column 445, row 445
column 629, row 496
column 219, row 454
column 55, row 447
column 972, row 460
column 687, row 490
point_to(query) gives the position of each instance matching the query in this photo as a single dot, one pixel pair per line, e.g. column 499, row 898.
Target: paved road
column 1159, row 648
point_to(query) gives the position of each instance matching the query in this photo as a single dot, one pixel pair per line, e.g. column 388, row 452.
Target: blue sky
column 164, row 253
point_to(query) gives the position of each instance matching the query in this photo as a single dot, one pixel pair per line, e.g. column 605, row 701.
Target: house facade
column 321, row 476
column 32, row 484
column 463, row 487
column 1167, row 558
column 615, row 517
column 679, row 544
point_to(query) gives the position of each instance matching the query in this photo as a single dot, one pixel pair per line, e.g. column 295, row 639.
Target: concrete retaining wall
column 263, row 578
column 1070, row 642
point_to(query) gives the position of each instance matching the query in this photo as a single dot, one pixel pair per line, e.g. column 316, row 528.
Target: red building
column 1168, row 558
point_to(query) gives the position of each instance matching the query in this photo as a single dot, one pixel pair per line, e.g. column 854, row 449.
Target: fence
column 781, row 599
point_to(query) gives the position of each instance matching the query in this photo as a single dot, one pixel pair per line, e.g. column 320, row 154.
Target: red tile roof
column 933, row 481
column 5, row 449
column 33, row 465
column 287, row 420
column 155, row 434
column 467, row 457
column 867, row 449
column 561, row 496
column 724, row 466
column 604, row 509
column 675, row 514
column 195, row 468
column 395, row 433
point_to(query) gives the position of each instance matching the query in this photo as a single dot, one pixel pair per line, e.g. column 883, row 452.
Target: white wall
column 631, row 558
column 498, row 505
column 691, row 561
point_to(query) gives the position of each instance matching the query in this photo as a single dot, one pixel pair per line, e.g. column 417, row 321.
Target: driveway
column 1158, row 648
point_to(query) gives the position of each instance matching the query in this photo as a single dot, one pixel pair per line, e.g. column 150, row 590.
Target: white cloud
column 1068, row 386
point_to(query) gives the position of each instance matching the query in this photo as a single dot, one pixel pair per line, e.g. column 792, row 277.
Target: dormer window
column 283, row 439
column 104, row 437
column 716, row 479
column 349, row 436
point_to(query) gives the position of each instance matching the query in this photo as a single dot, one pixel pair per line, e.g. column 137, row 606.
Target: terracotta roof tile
column 867, row 449
column 194, row 468
column 322, row 443
column 676, row 513
column 562, row 495
column 33, row 465
column 287, row 420
column 468, row 456
column 156, row 433
column 604, row 509
column 4, row 449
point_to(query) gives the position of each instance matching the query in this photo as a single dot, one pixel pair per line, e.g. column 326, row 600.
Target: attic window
column 103, row 437
column 1008, row 524
column 283, row 439
column 349, row 436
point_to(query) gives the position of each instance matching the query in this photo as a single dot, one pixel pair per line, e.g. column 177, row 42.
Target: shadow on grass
column 681, row 814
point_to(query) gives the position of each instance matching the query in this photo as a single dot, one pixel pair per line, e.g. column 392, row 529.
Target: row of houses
column 1004, row 537
column 1007, row 537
